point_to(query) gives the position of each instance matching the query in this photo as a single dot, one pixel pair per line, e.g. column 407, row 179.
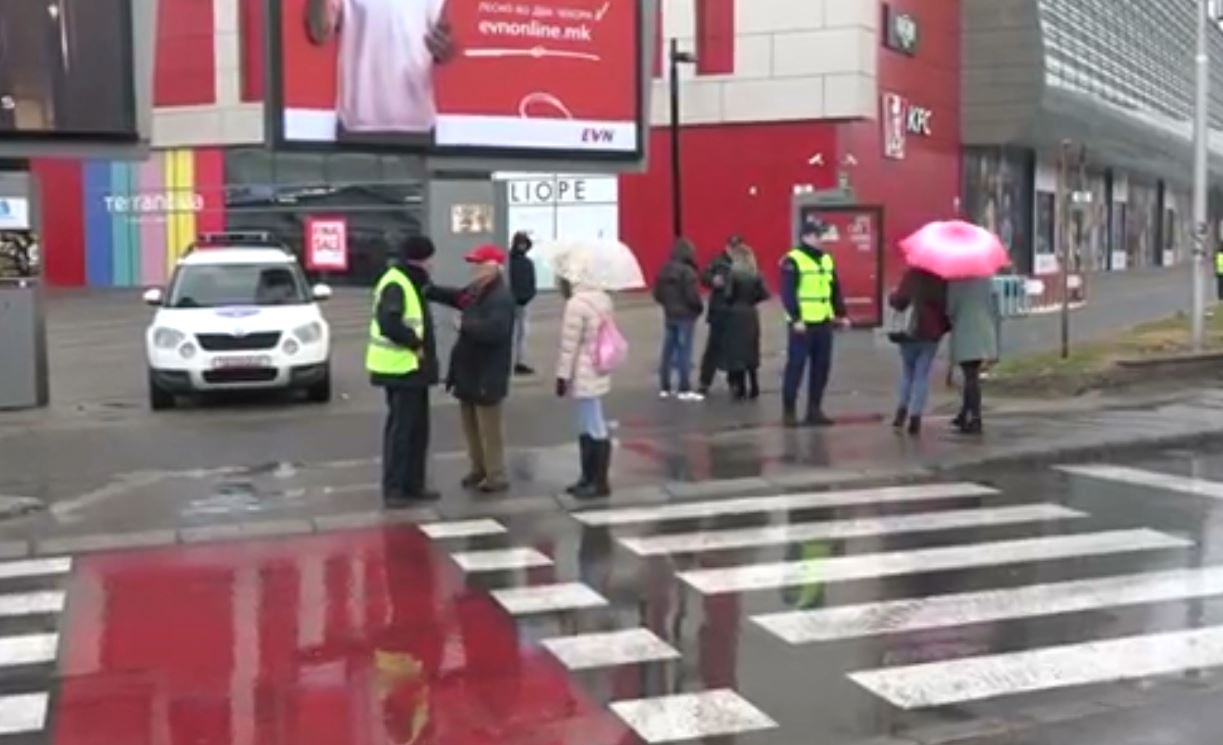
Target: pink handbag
column 611, row 348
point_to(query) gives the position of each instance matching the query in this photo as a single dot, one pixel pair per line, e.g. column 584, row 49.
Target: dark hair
column 417, row 248
column 521, row 242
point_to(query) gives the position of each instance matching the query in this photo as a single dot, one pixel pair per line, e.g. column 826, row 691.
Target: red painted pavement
column 356, row 638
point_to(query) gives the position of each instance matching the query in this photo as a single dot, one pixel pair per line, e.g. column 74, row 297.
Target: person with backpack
column 678, row 291
column 583, row 371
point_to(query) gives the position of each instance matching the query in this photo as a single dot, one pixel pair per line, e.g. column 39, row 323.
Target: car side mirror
column 321, row 292
column 154, row 296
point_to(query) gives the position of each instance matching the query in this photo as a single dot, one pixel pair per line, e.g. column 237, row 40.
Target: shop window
column 277, row 192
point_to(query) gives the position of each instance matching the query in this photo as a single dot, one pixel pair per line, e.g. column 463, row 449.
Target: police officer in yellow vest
column 1219, row 273
column 814, row 304
column 402, row 358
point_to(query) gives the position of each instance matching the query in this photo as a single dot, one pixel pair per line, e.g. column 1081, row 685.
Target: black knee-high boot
column 598, row 485
column 585, row 457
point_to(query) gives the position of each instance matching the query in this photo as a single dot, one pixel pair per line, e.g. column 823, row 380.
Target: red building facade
column 740, row 172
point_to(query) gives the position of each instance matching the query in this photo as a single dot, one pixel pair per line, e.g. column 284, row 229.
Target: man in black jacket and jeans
column 522, row 285
column 405, row 448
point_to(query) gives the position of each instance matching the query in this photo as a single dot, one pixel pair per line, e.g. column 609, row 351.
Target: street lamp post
column 677, row 58
column 1201, row 136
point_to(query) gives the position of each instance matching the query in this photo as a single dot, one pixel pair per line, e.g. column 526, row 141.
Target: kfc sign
column 901, row 119
column 327, row 244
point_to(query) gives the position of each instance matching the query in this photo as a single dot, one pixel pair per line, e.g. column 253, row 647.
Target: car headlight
column 168, row 338
column 310, row 333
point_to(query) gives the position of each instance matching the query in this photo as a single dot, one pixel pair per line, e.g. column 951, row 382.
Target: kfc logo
column 919, row 121
column 901, row 119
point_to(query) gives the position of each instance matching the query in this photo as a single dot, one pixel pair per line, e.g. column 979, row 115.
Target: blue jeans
column 916, row 357
column 813, row 345
column 520, row 335
column 677, row 355
column 590, row 418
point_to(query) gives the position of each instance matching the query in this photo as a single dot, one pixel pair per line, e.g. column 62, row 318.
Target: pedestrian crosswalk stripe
column 30, row 603
column 548, row 598
column 22, row 713
column 35, row 567
column 976, row 678
column 462, row 529
column 611, row 648
column 1153, row 479
column 689, row 716
column 686, row 543
column 915, row 614
column 749, row 505
column 500, row 560
column 975, row 555
column 28, row 649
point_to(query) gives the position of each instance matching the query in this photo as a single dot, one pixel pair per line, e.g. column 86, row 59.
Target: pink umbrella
column 955, row 250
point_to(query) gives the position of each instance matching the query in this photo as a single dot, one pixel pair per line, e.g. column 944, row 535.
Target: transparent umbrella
column 607, row 265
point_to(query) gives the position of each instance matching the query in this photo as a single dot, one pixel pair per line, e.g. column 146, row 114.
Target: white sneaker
column 691, row 396
column 664, row 394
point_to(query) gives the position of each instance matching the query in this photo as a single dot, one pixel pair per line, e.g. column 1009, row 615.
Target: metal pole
column 677, row 185
column 1063, row 254
column 1201, row 134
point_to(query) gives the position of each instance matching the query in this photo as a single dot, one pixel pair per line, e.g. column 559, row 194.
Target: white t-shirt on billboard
column 386, row 70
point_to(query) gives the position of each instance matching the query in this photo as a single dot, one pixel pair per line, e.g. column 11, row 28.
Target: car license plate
column 247, row 361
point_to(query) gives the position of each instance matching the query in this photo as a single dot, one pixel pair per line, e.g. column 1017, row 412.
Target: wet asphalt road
column 650, row 610
column 385, row 634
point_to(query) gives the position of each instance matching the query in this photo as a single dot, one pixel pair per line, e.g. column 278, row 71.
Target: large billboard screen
column 533, row 78
column 66, row 71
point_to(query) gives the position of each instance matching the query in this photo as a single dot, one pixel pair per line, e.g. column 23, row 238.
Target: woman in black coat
column 744, row 291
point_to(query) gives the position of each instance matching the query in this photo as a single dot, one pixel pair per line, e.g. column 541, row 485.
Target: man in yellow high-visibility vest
column 811, row 293
column 401, row 357
column 1219, row 273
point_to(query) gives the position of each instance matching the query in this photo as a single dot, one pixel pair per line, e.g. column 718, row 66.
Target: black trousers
column 712, row 359
column 971, row 407
column 405, row 441
column 1219, row 285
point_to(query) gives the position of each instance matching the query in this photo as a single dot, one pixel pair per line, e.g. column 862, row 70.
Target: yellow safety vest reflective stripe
column 383, row 356
column 814, row 286
column 1219, row 263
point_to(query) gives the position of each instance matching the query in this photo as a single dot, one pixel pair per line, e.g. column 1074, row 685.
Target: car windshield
column 216, row 285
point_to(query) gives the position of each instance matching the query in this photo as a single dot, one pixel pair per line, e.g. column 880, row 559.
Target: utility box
column 23, row 332
column 23, row 363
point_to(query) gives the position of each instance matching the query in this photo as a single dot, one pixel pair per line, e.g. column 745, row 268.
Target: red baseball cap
column 486, row 254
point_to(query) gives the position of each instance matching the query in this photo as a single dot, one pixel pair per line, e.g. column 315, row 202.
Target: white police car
column 238, row 315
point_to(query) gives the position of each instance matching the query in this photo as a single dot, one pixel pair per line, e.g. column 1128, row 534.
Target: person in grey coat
column 974, row 341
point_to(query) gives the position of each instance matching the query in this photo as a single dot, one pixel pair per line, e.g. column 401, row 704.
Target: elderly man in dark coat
column 481, row 362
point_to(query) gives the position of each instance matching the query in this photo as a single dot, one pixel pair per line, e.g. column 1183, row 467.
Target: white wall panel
column 773, row 100
column 769, row 16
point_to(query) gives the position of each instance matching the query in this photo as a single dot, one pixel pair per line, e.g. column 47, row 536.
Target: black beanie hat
column 417, row 248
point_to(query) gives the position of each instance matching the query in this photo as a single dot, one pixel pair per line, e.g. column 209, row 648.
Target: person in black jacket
column 677, row 289
column 479, row 372
column 745, row 290
column 714, row 279
column 405, row 449
column 522, row 284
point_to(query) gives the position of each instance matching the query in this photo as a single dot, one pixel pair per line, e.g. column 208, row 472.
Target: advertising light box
column 540, row 78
